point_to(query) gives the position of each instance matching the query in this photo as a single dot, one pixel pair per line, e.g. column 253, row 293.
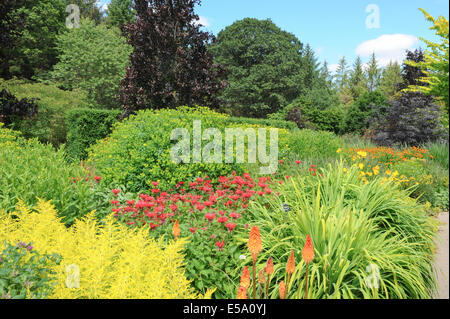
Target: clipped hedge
column 85, row 127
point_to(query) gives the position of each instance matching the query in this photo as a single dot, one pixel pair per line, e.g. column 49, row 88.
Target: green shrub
column 352, row 225
column 24, row 273
column 359, row 114
column 138, row 150
column 329, row 119
column 85, row 127
column 308, row 144
column 52, row 102
column 30, row 170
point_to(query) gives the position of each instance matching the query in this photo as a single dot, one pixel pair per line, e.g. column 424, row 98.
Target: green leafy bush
column 30, row 170
column 138, row 150
column 24, row 273
column 49, row 126
column 309, row 144
column 359, row 114
column 352, row 225
column 85, row 127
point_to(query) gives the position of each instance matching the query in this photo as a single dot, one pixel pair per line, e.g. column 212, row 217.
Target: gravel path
column 441, row 261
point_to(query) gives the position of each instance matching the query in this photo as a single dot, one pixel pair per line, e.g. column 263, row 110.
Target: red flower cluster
column 203, row 204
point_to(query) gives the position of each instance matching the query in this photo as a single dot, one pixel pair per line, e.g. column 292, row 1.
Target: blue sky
column 336, row 28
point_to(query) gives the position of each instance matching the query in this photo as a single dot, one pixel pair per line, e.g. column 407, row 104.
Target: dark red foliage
column 170, row 65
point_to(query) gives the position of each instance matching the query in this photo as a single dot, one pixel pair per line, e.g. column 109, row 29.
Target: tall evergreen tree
column 358, row 80
column 390, row 79
column 341, row 74
column 373, row 74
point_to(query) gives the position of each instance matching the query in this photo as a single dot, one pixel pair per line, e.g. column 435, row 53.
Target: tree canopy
column 266, row 67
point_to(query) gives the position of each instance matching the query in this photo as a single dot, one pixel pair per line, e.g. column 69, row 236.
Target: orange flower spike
column 282, row 290
column 242, row 293
column 308, row 250
column 261, row 277
column 176, row 229
column 269, row 266
column 245, row 278
column 290, row 266
column 254, row 242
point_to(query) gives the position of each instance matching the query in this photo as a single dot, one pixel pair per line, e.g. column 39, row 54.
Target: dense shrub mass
column 101, row 261
column 49, row 126
column 412, row 119
column 138, row 151
column 85, row 127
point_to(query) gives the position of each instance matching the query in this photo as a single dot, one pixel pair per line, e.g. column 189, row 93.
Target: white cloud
column 104, row 7
column 204, row 21
column 387, row 47
column 333, row 67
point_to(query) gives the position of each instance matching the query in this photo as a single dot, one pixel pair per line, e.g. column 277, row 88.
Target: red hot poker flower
column 308, row 250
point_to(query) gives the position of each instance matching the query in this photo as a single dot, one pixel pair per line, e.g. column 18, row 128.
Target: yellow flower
column 361, row 166
column 362, row 154
column 339, row 150
column 376, row 170
column 345, row 170
column 388, row 172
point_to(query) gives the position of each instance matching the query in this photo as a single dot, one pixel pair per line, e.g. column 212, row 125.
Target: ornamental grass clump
column 105, row 260
column 370, row 240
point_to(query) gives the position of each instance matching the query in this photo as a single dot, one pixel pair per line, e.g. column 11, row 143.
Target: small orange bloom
column 261, row 277
column 308, row 250
column 242, row 293
column 245, row 278
column 176, row 229
column 290, row 266
column 254, row 242
column 269, row 266
column 282, row 290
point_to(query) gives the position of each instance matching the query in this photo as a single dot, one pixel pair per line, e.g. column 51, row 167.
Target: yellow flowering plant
column 105, row 260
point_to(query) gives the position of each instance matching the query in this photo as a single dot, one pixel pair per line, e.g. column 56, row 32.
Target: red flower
column 298, row 162
column 193, row 229
column 281, row 161
column 210, row 217
column 97, row 178
column 116, row 191
column 230, row 226
column 220, row 244
column 155, row 184
column 222, row 219
column 235, row 215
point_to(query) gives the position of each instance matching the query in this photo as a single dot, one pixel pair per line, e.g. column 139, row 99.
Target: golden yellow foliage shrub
column 113, row 261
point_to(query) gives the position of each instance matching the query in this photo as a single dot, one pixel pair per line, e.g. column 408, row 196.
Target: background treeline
column 153, row 54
